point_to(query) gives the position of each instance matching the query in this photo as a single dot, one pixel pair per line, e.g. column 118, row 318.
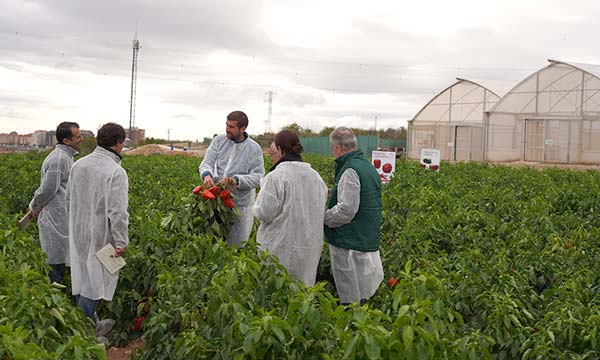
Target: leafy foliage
column 37, row 319
column 488, row 262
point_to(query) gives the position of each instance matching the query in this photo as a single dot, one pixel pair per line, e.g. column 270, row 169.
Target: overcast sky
column 330, row 63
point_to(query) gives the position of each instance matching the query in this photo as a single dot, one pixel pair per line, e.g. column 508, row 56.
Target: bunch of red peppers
column 214, row 193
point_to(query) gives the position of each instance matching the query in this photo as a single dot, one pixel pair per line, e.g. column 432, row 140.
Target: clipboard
column 25, row 220
column 110, row 262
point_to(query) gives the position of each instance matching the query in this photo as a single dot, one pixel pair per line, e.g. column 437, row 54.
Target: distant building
column 8, row 139
column 137, row 135
column 24, row 140
column 51, row 138
column 12, row 138
column 39, row 139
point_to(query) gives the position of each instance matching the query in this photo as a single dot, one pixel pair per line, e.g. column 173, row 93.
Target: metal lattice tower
column 136, row 49
column 270, row 112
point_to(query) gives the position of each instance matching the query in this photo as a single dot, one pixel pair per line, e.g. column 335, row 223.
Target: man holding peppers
column 235, row 160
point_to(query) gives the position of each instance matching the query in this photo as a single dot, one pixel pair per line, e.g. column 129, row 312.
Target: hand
column 228, row 183
column 35, row 212
column 119, row 252
column 208, row 181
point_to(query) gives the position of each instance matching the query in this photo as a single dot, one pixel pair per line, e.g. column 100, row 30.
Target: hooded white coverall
column 243, row 161
column 52, row 222
column 98, row 200
column 291, row 206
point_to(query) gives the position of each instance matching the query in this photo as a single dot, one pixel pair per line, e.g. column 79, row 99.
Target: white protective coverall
column 53, row 223
column 291, row 205
column 98, row 198
column 243, row 161
column 357, row 274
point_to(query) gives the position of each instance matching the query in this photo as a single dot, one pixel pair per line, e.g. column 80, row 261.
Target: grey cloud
column 10, row 113
column 183, row 116
column 97, row 35
column 213, row 96
column 65, row 65
column 298, row 99
column 12, row 100
column 177, row 37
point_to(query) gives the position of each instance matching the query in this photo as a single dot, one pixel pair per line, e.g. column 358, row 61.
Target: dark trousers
column 88, row 306
column 57, row 273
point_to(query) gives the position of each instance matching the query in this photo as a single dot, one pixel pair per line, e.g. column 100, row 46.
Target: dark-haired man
column 237, row 160
column 97, row 197
column 48, row 202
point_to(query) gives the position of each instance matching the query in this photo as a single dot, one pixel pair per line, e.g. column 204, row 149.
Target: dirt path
column 115, row 353
column 164, row 150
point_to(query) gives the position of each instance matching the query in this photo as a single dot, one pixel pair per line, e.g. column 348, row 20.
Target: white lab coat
column 98, row 199
column 244, row 161
column 357, row 274
column 52, row 222
column 291, row 206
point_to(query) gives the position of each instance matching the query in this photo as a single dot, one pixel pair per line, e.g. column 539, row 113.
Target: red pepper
column 392, row 282
column 387, row 168
column 434, row 167
column 206, row 194
column 423, row 165
column 229, row 203
column 197, row 190
column 377, row 163
column 139, row 321
column 214, row 190
column 225, row 194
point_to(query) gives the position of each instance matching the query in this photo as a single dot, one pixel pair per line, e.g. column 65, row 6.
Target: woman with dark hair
column 291, row 208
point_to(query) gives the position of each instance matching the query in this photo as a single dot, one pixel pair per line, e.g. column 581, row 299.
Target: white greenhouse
column 551, row 116
column 452, row 122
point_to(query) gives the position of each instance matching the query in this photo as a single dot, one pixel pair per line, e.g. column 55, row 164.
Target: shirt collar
column 244, row 139
column 288, row 157
column 68, row 149
column 342, row 159
column 110, row 152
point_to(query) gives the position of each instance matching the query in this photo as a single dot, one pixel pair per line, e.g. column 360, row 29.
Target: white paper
column 112, row 264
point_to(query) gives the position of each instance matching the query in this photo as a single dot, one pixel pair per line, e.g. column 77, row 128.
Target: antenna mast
column 270, row 112
column 136, row 48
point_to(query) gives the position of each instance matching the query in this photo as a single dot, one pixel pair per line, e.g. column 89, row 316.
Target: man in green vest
column 353, row 220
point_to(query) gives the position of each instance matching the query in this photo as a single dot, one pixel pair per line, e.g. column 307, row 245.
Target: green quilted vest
column 362, row 233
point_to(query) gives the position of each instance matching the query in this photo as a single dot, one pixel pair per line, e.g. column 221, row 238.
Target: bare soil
column 163, row 150
column 115, row 353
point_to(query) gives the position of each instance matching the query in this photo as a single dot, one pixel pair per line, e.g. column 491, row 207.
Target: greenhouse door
column 534, row 140
column 556, row 141
column 462, row 143
column 547, row 140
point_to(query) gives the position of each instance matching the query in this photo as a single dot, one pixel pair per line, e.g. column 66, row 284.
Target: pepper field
column 491, row 262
